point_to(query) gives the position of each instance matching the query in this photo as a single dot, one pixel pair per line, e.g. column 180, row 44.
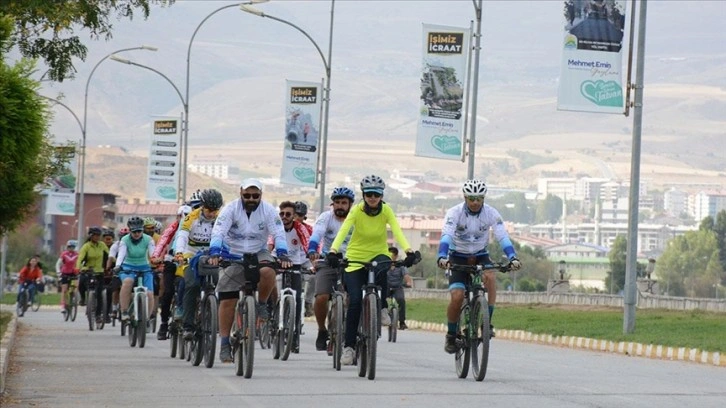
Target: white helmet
column 474, row 187
column 372, row 183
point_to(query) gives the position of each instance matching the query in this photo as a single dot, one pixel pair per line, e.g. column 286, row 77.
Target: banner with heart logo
column 162, row 182
column 61, row 191
column 592, row 59
column 443, row 85
column 303, row 107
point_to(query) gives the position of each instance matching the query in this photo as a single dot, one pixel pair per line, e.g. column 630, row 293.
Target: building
column 707, row 203
column 213, row 167
column 100, row 210
column 162, row 212
column 675, row 202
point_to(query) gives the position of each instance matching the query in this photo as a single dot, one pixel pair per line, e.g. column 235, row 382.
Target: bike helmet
column 123, row 232
column 184, row 210
column 474, row 187
column 342, row 192
column 108, row 233
column 157, row 227
column 211, row 199
column 372, row 184
column 149, row 222
column 94, row 231
column 135, row 224
column 195, row 200
column 301, row 208
column 72, row 243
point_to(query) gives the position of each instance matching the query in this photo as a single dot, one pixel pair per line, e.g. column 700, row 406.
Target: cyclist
column 67, row 269
column 150, row 229
column 464, row 240
column 243, row 226
column 194, row 236
column 115, row 281
column 91, row 257
column 369, row 242
column 33, row 275
column 398, row 278
column 133, row 254
column 165, row 249
column 108, row 238
column 326, row 228
column 300, row 215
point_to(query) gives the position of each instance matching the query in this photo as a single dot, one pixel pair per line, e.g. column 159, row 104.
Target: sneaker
column 188, row 334
column 402, row 326
column 125, row 317
column 491, row 331
column 163, row 332
column 450, row 345
column 385, row 317
column 263, row 311
column 348, row 356
column 225, row 353
column 308, row 309
column 178, row 313
column 321, row 343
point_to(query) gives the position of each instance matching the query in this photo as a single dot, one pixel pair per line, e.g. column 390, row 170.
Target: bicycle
column 473, row 332
column 176, row 342
column 137, row 311
column 95, row 319
column 72, row 298
column 23, row 302
column 393, row 314
column 242, row 338
column 286, row 334
column 336, row 320
column 206, row 324
column 369, row 324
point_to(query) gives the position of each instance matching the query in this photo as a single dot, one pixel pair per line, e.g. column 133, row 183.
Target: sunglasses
column 247, row 196
column 285, row 214
column 369, row 195
column 475, row 198
column 134, row 232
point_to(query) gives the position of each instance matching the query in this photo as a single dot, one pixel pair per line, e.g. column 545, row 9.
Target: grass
column 691, row 329
column 4, row 321
column 46, row 298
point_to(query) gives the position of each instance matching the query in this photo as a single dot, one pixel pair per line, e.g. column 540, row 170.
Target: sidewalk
column 6, row 345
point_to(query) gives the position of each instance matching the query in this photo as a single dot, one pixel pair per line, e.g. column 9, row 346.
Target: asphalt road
column 58, row 364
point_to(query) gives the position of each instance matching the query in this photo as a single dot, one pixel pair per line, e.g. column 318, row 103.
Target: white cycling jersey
column 470, row 232
column 325, row 229
column 243, row 234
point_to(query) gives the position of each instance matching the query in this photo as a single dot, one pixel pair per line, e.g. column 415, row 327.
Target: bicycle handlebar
column 481, row 268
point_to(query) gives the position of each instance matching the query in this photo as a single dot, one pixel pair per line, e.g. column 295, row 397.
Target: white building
column 707, row 203
column 213, row 168
column 675, row 202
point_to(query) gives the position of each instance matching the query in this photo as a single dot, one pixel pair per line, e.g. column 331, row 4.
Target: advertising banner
column 443, row 81
column 302, row 133
column 591, row 73
column 162, row 183
column 61, row 192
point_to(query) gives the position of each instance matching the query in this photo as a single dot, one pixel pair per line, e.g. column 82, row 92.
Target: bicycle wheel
column 91, row 308
column 36, row 302
column 372, row 335
column 181, row 347
column 67, row 309
column 210, row 324
column 335, row 329
column 74, row 305
column 480, row 338
column 249, row 338
column 361, row 355
column 142, row 312
column 237, row 339
column 101, row 321
column 173, row 339
column 132, row 324
column 22, row 303
column 288, row 326
column 275, row 334
column 196, row 345
column 393, row 327
column 462, row 357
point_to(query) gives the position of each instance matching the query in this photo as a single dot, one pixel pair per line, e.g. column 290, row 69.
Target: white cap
column 184, row 209
column 251, row 182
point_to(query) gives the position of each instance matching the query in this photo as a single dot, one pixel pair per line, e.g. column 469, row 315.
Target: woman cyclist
column 133, row 255
column 90, row 258
column 368, row 242
column 68, row 269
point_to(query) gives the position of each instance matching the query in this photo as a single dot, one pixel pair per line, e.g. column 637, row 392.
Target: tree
column 718, row 227
column 690, row 264
column 549, row 210
column 46, row 28
column 615, row 279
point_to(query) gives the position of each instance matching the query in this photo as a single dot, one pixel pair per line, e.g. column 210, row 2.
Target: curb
column 6, row 346
column 632, row 349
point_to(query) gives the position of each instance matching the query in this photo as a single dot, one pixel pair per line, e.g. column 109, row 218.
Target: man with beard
column 325, row 229
column 242, row 228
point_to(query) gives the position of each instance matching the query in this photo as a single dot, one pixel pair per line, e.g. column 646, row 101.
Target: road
column 57, row 364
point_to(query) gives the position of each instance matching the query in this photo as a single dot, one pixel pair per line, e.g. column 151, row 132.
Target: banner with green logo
column 162, row 183
column 61, row 191
column 303, row 103
column 441, row 102
column 591, row 76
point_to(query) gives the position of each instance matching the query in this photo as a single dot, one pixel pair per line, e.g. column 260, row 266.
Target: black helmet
column 107, row 232
column 94, row 230
column 135, row 223
column 301, row 208
column 211, row 199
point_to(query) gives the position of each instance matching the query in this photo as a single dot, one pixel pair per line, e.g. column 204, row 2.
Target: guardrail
column 645, row 300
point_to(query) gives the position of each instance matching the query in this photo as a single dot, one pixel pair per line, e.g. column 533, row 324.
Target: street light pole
column 84, row 128
column 475, row 87
column 326, row 99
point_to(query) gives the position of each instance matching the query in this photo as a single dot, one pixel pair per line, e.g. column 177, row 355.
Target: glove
column 515, row 264
column 332, row 259
column 410, row 259
column 116, row 270
column 443, row 262
column 283, row 258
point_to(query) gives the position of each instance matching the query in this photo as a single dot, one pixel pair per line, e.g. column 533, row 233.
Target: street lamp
column 326, row 99
column 475, row 86
column 84, row 129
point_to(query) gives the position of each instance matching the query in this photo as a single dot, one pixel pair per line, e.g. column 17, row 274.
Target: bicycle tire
column 131, row 330
column 141, row 326
column 35, row 306
column 123, row 328
column 481, row 342
column 336, row 330
column 74, row 305
column 181, row 348
column 237, row 329
column 393, row 328
column 462, row 357
column 275, row 334
column 288, row 326
column 67, row 310
column 361, row 354
column 102, row 322
column 196, row 344
column 173, row 338
column 210, row 328
column 91, row 308
column 249, row 339
column 374, row 313
column 22, row 304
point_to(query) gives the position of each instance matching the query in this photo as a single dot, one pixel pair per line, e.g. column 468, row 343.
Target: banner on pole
column 443, row 81
column 302, row 133
column 61, row 193
column 162, row 183
column 591, row 73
